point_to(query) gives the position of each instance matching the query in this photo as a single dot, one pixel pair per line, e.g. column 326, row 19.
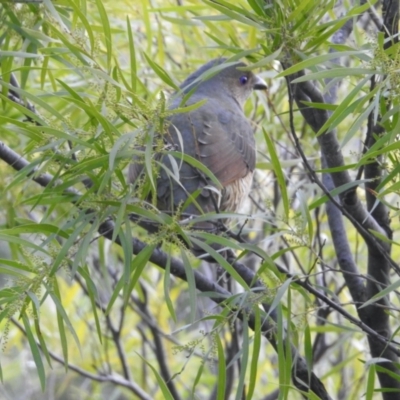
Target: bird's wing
column 227, row 146
column 220, row 138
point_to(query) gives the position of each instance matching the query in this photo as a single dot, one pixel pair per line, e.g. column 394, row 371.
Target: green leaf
column 148, row 156
column 49, row 5
column 321, row 59
column 163, row 387
column 221, row 261
column 118, row 287
column 191, row 285
column 337, row 191
column 132, row 55
column 19, row 54
column 278, row 172
column 137, row 266
column 198, row 165
column 263, row 62
column 221, row 377
column 106, row 30
column 79, row 52
column 62, row 317
column 336, row 73
column 36, row 100
column 369, row 394
column 380, row 295
column 162, row 74
column 279, row 294
column 344, row 108
column 234, row 13
column 258, row 6
column 79, row 14
column 359, row 10
column 305, row 212
column 21, row 242
column 35, row 351
column 92, row 113
column 93, row 295
column 43, row 347
column 358, row 123
column 46, row 229
column 256, row 352
column 84, row 246
column 181, row 21
column 167, row 284
column 372, row 153
column 308, row 349
column 283, row 379
column 197, row 379
column 80, row 224
column 244, row 360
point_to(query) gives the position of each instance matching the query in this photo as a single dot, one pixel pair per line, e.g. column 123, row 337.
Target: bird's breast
column 234, row 194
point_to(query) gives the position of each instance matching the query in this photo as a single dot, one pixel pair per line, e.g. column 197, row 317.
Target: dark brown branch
column 378, row 266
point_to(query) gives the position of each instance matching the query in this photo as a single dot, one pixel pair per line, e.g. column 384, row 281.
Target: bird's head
column 218, row 78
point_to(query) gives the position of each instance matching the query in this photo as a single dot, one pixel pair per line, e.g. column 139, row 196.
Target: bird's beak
column 259, row 84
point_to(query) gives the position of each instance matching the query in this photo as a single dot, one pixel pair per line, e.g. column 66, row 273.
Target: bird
column 218, row 135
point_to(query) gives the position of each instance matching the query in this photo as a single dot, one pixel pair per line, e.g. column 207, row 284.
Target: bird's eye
column 243, row 79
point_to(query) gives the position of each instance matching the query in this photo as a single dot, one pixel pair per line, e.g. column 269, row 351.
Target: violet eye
column 243, row 79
